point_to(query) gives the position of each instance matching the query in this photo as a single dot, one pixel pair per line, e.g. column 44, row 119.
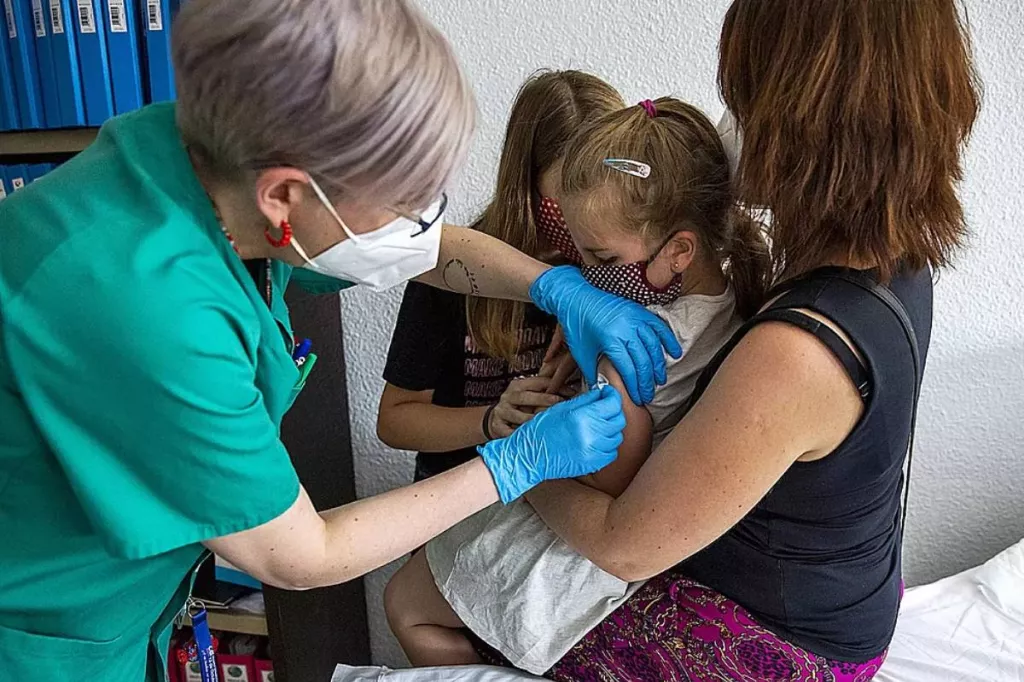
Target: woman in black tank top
column 770, row 519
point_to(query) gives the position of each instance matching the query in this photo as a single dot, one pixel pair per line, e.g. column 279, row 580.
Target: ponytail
column 748, row 264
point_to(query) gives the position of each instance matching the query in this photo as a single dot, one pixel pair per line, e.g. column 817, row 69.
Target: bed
column 966, row 628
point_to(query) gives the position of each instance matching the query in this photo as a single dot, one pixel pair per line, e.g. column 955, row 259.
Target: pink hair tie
column 649, row 107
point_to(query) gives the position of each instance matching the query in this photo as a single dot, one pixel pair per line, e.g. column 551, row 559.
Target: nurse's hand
column 570, row 439
column 597, row 323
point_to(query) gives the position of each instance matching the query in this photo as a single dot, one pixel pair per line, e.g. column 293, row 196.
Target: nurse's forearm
column 372, row 532
column 476, row 264
column 302, row 549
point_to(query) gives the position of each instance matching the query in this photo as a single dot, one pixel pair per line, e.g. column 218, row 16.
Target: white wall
column 968, row 485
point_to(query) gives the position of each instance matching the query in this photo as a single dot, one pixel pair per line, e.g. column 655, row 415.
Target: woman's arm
column 595, row 323
column 301, row 549
column 408, row 421
column 779, row 397
column 476, row 264
column 636, row 442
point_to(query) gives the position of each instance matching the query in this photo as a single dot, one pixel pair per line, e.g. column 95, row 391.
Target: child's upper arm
column 636, row 441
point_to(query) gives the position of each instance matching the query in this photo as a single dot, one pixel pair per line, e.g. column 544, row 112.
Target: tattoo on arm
column 459, row 278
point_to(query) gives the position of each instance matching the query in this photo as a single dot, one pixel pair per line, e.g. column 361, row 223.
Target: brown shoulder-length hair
column 549, row 109
column 853, row 116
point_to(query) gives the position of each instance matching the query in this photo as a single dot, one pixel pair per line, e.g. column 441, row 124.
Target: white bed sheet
column 967, row 628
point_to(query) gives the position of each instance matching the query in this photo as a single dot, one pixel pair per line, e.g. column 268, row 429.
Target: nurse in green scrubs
column 145, row 347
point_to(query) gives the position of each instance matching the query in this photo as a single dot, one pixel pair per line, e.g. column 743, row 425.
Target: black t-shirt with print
column 431, row 350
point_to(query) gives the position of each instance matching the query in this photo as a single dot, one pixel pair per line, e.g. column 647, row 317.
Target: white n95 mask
column 397, row 252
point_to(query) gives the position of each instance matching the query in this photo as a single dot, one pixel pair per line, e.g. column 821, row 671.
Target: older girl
column 452, row 357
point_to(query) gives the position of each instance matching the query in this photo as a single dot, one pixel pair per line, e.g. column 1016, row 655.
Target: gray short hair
column 366, row 95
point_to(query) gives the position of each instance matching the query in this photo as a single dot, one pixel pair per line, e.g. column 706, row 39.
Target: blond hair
column 688, row 188
column 549, row 109
column 365, row 95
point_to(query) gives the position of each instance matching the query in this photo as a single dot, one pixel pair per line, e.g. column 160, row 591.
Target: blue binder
column 156, row 26
column 65, row 61
column 21, row 44
column 9, row 117
column 40, row 14
column 17, row 177
column 38, row 170
column 91, row 34
column 123, row 47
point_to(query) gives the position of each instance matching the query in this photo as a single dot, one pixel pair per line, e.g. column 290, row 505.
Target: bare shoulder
column 787, row 356
column 786, row 375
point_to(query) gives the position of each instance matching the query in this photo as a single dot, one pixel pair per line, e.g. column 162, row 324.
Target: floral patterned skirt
column 677, row 630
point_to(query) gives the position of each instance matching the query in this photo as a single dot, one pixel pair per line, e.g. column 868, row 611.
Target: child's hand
column 560, row 366
column 518, row 404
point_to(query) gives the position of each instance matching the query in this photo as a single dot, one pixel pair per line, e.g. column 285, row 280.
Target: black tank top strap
column 786, row 309
column 854, row 367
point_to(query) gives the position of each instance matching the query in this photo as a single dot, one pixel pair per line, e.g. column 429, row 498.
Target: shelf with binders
column 17, row 176
column 67, row 66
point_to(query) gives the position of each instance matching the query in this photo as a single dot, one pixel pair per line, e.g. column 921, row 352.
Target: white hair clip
column 630, row 167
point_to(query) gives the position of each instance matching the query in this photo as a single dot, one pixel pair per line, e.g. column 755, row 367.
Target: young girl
column 647, row 200
column 453, row 357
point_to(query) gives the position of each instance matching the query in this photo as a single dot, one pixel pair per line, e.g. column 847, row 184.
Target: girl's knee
column 400, row 594
column 393, row 601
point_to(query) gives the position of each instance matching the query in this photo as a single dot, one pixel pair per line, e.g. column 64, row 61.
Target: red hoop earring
column 286, row 235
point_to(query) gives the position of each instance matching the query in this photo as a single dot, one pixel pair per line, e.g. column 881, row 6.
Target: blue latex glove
column 574, row 438
column 597, row 323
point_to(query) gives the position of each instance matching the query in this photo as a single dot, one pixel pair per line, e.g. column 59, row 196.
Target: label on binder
column 37, row 18
column 86, row 16
column 17, row 183
column 12, row 30
column 56, row 17
column 156, row 18
column 118, row 24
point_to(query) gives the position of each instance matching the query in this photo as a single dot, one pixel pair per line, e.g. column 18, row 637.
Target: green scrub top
column 142, row 384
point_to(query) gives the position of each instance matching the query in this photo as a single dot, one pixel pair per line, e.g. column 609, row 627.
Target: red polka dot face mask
column 630, row 281
column 551, row 224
